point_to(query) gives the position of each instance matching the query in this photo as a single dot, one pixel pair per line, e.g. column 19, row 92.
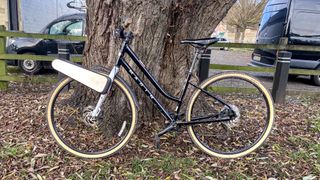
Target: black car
column 73, row 25
column 297, row 20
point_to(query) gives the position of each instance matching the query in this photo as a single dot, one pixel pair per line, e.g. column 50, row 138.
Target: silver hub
column 88, row 119
column 235, row 122
column 29, row 64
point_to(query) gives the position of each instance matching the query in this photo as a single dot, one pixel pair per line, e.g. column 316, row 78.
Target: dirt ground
column 27, row 150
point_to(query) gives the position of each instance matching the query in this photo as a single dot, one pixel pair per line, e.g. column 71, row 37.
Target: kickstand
column 157, row 141
column 167, row 129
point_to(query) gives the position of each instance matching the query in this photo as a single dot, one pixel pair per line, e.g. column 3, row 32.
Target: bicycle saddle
column 201, row 43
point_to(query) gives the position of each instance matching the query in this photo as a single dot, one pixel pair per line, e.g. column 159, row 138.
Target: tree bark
column 158, row 26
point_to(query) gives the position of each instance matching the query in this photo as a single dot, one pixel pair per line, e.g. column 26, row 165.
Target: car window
column 67, row 27
column 74, row 29
column 58, row 27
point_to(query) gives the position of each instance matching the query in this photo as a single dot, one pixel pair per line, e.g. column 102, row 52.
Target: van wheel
column 30, row 66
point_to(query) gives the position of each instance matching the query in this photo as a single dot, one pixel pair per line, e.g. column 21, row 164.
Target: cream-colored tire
column 249, row 98
column 63, row 116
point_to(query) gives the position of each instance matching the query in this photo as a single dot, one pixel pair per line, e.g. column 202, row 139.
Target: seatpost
column 194, row 60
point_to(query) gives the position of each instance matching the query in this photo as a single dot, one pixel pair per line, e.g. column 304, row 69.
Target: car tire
column 30, row 66
column 316, row 79
column 293, row 76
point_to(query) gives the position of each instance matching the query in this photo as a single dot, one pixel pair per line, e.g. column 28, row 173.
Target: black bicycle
column 229, row 115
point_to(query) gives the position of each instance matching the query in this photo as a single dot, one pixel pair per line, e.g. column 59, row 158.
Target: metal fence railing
column 4, row 77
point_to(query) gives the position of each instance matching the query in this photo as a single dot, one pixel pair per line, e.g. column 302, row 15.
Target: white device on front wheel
column 88, row 78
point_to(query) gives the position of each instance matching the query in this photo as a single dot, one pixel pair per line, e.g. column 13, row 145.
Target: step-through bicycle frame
column 125, row 49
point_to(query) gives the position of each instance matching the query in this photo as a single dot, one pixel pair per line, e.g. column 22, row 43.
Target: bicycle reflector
column 88, row 78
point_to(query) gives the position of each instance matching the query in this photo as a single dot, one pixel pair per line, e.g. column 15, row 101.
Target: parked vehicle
column 298, row 20
column 223, row 40
column 72, row 25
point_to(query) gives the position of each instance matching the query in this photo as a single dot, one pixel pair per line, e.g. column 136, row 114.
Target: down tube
column 146, row 89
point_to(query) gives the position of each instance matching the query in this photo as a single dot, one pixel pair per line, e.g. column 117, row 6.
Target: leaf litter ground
column 27, row 150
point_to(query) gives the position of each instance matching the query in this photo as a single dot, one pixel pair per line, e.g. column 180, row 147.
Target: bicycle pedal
column 157, row 141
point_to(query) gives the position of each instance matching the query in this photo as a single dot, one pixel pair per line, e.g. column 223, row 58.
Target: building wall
column 4, row 13
column 228, row 33
column 250, row 36
column 36, row 14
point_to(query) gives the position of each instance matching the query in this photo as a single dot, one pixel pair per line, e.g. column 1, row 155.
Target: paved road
column 302, row 83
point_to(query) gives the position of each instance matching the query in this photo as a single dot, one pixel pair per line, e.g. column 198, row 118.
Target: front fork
column 95, row 113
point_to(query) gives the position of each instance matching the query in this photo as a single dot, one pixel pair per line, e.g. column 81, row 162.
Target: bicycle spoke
column 247, row 116
column 74, row 127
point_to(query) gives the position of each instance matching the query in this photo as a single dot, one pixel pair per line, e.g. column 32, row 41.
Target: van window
column 304, row 23
column 310, row 5
column 275, row 10
column 305, row 18
column 273, row 18
column 275, row 5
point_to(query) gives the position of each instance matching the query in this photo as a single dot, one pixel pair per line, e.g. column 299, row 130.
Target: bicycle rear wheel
column 69, row 107
column 244, row 132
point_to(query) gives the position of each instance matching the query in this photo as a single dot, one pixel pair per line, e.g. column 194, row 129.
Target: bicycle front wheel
column 248, row 127
column 69, row 121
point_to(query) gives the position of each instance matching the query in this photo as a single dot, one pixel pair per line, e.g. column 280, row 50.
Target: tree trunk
column 158, row 26
column 243, row 35
column 237, row 35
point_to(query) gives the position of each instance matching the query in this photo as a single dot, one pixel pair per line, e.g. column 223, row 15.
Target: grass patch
column 13, row 151
column 14, row 69
column 241, row 49
column 300, row 141
column 316, row 125
column 309, row 151
column 299, row 155
column 315, row 150
column 166, row 164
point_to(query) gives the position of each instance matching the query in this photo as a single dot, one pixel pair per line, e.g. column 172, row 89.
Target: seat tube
column 184, row 91
column 194, row 61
